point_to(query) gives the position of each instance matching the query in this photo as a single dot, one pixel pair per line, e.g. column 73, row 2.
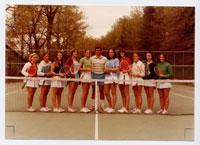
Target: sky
column 101, row 18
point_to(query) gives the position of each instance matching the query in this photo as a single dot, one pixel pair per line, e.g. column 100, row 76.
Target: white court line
column 182, row 96
column 183, row 90
column 96, row 137
column 13, row 92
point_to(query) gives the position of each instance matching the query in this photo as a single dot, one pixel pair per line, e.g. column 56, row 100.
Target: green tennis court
column 178, row 125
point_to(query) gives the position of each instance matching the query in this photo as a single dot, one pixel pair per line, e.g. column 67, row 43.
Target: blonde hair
column 31, row 55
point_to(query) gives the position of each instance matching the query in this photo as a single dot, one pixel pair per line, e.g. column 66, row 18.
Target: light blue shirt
column 115, row 63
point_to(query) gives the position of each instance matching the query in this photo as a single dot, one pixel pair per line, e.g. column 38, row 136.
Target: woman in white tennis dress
column 164, row 87
column 124, row 86
column 149, row 87
column 85, row 69
column 31, row 85
column 137, row 72
column 57, row 85
column 111, row 69
column 44, row 71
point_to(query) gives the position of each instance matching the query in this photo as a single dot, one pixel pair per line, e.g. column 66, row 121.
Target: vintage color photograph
column 99, row 73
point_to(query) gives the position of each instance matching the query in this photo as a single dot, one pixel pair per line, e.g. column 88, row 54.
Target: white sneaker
column 133, row 110
column 71, row 109
column 43, row 109
column 137, row 111
column 159, row 111
column 56, row 110
column 111, row 110
column 49, row 109
column 87, row 109
column 31, row 109
column 148, row 111
column 165, row 112
column 84, row 109
column 92, row 107
column 61, row 109
column 121, row 110
column 106, row 109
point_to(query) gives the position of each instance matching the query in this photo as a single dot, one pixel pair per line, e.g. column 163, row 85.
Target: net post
column 96, row 137
column 96, row 97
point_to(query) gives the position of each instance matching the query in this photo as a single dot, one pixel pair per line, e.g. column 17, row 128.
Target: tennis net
column 181, row 96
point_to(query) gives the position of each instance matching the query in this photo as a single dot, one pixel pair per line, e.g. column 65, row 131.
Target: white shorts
column 163, row 85
column 135, row 83
column 45, row 83
column 149, row 84
column 114, row 80
column 127, row 78
column 87, row 78
column 58, row 84
column 32, row 83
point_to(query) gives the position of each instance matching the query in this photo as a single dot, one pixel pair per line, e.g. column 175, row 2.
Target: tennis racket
column 110, row 65
column 158, row 71
column 65, row 70
column 87, row 64
column 74, row 69
column 32, row 71
column 46, row 69
column 124, row 66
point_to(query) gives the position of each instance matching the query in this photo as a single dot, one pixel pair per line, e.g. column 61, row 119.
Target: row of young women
column 104, row 88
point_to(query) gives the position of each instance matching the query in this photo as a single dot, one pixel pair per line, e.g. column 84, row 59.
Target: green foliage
column 153, row 28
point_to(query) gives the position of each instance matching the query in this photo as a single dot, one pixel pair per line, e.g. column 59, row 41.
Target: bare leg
column 31, row 92
column 107, row 93
column 59, row 96
column 126, row 92
column 151, row 93
column 121, row 87
column 54, row 95
column 114, row 94
column 85, row 89
column 162, row 101
column 166, row 97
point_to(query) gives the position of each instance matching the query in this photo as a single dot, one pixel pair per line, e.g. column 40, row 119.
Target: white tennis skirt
column 149, row 84
column 45, row 83
column 58, row 84
column 163, row 85
column 32, row 83
column 87, row 77
column 111, row 80
column 127, row 78
column 135, row 83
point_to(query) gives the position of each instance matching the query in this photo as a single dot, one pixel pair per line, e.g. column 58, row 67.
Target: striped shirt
column 98, row 64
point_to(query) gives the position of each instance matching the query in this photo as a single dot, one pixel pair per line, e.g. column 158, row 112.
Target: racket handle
column 23, row 85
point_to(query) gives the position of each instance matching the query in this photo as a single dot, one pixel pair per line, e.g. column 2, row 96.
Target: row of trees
column 42, row 28
column 153, row 28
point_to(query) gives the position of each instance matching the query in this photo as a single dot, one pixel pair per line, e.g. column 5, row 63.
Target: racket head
column 158, row 70
column 65, row 70
column 124, row 65
column 32, row 70
column 74, row 68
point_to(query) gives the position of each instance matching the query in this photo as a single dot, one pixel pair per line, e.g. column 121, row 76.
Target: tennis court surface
column 178, row 125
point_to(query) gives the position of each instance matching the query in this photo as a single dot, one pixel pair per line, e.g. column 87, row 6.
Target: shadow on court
column 179, row 125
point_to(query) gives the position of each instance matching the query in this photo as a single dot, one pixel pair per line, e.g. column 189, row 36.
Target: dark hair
column 122, row 50
column 97, row 47
column 164, row 57
column 138, row 55
column 73, row 50
column 152, row 57
column 56, row 58
column 115, row 55
column 45, row 53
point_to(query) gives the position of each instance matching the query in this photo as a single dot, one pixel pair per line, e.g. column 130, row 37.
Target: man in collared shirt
column 98, row 65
